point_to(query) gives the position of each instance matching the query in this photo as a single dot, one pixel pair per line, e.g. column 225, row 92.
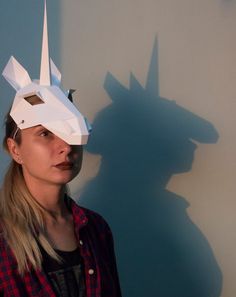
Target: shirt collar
column 79, row 215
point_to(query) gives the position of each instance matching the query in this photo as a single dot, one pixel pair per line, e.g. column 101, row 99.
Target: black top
column 67, row 278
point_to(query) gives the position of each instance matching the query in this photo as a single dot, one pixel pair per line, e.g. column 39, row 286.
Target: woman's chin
column 64, row 177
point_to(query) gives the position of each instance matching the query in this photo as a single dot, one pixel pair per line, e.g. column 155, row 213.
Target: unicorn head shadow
column 143, row 140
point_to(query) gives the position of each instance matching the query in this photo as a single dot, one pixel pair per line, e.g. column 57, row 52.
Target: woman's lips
column 65, row 166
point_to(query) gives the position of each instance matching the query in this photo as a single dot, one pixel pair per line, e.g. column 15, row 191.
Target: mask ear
column 16, row 74
column 55, row 74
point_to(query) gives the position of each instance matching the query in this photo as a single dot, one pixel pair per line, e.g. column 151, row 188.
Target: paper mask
column 42, row 102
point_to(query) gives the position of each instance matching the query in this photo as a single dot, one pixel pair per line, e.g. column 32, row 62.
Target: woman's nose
column 63, row 147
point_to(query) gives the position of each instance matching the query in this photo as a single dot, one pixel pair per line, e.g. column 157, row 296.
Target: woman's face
column 45, row 157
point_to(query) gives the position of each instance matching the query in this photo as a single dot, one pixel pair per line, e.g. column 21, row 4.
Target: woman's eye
column 44, row 133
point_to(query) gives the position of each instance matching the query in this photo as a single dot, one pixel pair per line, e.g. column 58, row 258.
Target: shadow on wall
column 143, row 140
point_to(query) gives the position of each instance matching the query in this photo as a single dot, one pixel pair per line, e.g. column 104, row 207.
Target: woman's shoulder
column 92, row 214
column 90, row 217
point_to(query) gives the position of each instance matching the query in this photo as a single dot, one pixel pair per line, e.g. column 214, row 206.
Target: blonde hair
column 21, row 216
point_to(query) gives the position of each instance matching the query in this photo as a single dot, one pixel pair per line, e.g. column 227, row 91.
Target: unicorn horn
column 45, row 71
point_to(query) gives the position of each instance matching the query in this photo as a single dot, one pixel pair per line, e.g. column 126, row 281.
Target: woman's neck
column 49, row 196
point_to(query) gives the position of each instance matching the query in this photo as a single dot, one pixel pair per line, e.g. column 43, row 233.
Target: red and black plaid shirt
column 96, row 248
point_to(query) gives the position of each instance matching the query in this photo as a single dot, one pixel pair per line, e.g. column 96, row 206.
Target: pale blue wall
column 20, row 36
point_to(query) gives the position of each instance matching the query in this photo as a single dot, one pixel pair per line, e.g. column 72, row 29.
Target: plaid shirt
column 96, row 248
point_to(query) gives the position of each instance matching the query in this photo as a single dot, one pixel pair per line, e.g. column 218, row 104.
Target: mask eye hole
column 70, row 97
column 34, row 100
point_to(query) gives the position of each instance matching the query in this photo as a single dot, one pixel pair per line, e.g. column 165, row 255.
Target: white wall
column 197, row 50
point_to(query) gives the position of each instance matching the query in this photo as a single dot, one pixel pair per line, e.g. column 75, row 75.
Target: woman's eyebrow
column 38, row 128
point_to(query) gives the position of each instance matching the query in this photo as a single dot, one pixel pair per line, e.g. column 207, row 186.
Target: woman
column 49, row 246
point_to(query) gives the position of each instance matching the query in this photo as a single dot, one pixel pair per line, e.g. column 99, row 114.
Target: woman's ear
column 13, row 149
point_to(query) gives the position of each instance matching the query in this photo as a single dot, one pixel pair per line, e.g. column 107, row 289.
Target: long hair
column 21, row 216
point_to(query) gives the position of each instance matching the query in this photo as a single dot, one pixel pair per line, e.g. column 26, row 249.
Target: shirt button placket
column 90, row 271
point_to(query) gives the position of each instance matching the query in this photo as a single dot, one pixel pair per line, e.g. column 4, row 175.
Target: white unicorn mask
column 52, row 108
